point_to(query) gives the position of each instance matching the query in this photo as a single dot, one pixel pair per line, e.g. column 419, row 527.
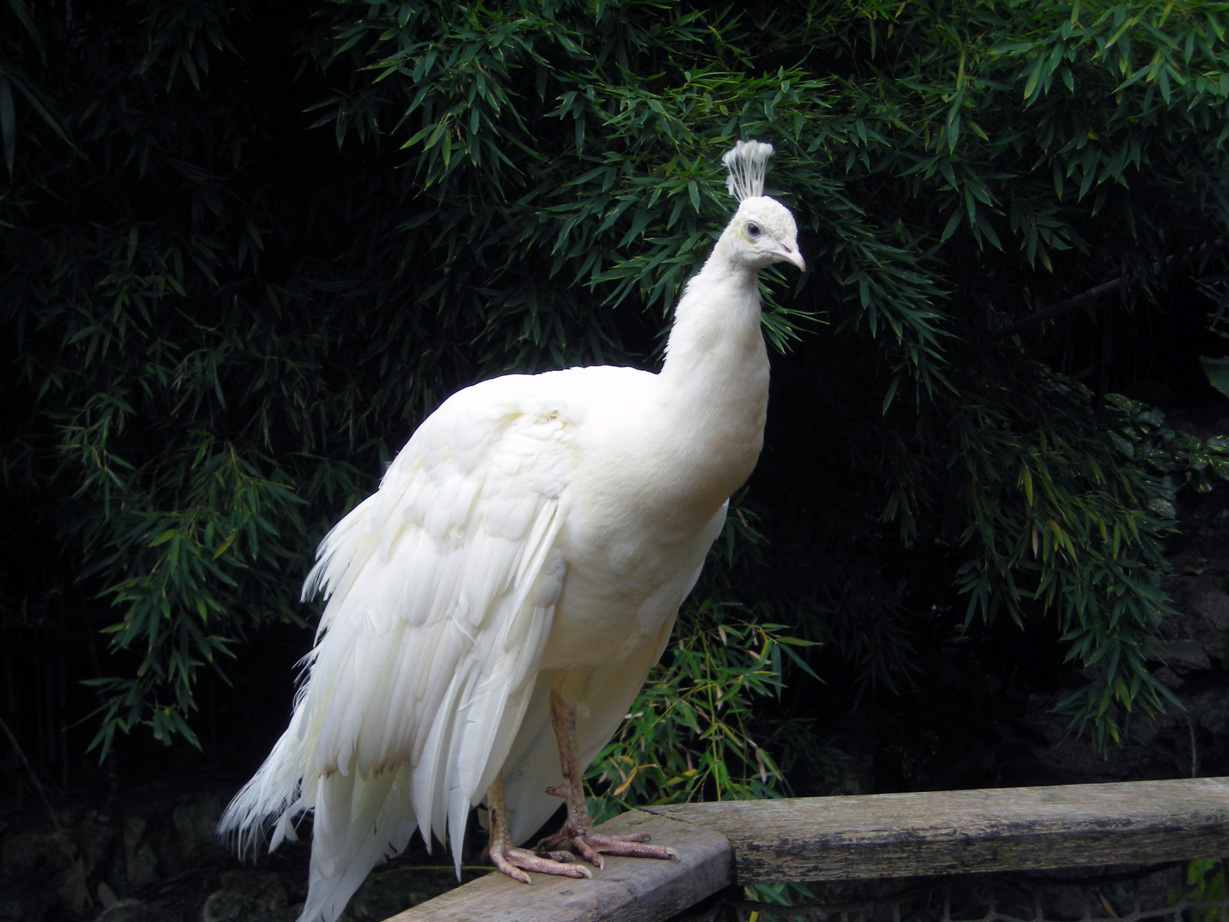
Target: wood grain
column 861, row 838
column 957, row 832
column 631, row 889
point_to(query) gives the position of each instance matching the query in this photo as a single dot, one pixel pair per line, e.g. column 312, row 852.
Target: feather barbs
column 747, row 162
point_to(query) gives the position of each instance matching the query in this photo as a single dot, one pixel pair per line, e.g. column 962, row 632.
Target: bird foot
column 591, row 846
column 516, row 861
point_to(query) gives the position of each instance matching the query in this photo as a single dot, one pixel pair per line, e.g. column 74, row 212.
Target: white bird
column 494, row 607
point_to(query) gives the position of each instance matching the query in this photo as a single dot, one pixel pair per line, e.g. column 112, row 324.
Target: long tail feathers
column 359, row 822
column 270, row 799
column 356, row 827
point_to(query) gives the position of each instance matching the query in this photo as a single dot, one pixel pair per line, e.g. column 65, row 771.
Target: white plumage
column 519, row 568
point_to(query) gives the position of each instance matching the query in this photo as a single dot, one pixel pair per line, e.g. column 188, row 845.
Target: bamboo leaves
column 280, row 241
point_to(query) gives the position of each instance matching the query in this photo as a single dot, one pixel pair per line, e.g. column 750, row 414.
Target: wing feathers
column 441, row 587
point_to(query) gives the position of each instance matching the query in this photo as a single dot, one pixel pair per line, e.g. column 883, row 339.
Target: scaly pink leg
column 577, row 828
column 515, row 861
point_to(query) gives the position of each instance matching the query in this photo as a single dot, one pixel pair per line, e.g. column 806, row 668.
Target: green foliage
column 246, row 250
column 692, row 734
column 1217, row 368
column 1204, row 884
column 1056, row 519
column 1027, row 153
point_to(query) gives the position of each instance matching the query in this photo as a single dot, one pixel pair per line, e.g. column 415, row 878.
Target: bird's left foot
column 516, row 861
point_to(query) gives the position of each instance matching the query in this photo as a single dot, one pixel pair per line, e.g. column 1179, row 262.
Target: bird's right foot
column 591, row 845
column 515, row 861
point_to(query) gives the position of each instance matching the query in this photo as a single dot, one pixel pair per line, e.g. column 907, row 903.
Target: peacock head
column 763, row 230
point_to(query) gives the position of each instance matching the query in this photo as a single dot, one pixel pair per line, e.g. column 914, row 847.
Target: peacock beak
column 789, row 253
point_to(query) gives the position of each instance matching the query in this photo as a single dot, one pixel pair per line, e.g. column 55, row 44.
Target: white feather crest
column 747, row 162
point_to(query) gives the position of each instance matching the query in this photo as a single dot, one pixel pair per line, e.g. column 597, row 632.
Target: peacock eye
column 753, row 229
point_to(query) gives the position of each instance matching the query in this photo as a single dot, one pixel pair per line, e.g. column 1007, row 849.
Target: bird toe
column 514, row 862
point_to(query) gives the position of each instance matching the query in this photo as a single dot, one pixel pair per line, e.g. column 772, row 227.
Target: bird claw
column 516, row 861
column 629, row 846
column 591, row 846
column 575, row 831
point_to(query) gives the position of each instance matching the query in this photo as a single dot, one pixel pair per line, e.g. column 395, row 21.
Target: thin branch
column 31, row 772
column 1097, row 292
column 1070, row 304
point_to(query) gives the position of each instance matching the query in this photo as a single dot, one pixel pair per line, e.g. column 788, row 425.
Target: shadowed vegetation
column 247, row 249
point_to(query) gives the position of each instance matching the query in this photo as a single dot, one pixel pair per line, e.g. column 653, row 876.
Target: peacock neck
column 716, row 331
column 714, row 382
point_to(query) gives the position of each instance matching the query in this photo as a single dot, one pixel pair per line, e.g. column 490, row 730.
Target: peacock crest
column 747, row 162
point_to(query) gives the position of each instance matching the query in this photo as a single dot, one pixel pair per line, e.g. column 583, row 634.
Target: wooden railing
column 861, row 838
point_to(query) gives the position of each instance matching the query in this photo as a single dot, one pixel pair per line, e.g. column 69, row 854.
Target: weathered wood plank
column 635, row 890
column 861, row 838
column 956, row 832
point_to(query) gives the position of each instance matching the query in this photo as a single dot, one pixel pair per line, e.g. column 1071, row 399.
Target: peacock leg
column 515, row 861
column 577, row 827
